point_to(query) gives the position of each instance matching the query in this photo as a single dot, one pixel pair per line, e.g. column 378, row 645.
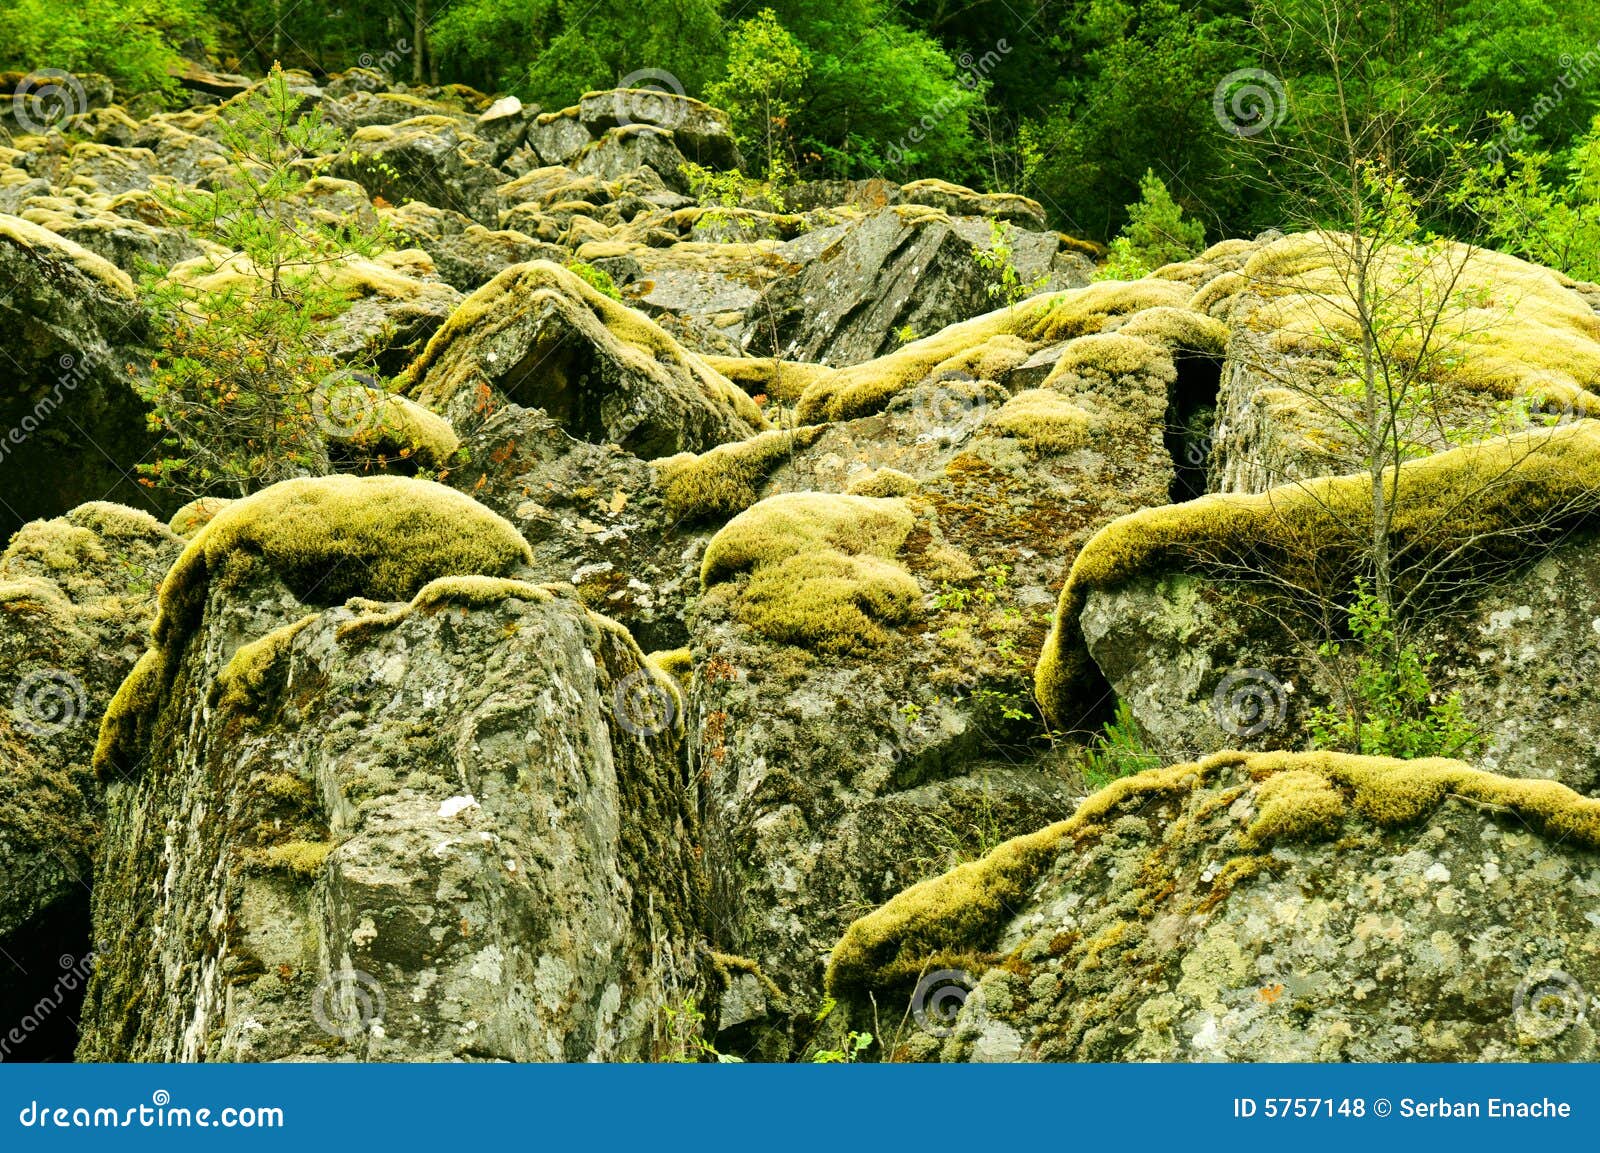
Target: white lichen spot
column 453, row 806
column 1437, row 873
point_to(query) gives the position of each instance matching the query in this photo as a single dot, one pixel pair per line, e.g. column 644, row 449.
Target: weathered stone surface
column 430, row 158
column 703, row 133
column 77, row 595
column 71, row 424
column 901, row 269
column 454, row 829
column 1281, row 908
column 1206, row 665
column 540, row 337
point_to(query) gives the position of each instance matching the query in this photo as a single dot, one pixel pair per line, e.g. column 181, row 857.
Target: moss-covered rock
column 436, row 830
column 1268, row 907
column 541, row 337
column 77, row 596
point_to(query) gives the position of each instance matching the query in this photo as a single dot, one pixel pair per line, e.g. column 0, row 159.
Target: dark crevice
column 1191, row 422
column 46, row 966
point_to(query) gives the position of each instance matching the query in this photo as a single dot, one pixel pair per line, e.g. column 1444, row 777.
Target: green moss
column 1179, row 328
column 675, row 663
column 883, row 482
column 726, row 479
column 37, row 241
column 195, row 515
column 780, row 380
column 955, row 920
column 434, row 379
column 247, row 674
column 301, row 858
column 1296, row 805
column 821, row 573
column 986, row 346
column 327, row 539
column 1043, row 420
column 406, row 429
column 1486, row 505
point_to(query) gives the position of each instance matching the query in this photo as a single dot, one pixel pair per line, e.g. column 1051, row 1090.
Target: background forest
column 1068, row 101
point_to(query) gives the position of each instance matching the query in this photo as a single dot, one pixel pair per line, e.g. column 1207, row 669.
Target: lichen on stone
column 327, row 539
column 1486, row 504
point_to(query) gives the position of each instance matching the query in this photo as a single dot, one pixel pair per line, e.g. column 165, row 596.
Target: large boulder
column 450, row 827
column 71, row 422
column 538, row 336
column 431, row 158
column 1209, row 619
column 1273, row 907
column 903, row 271
column 704, row 134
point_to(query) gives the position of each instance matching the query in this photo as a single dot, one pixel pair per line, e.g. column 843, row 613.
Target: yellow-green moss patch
column 327, row 539
column 726, row 479
column 1487, row 504
column 821, row 573
column 251, row 668
column 1043, row 420
column 955, row 920
column 883, row 482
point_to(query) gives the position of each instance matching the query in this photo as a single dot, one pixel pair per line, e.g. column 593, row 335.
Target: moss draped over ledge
column 955, row 921
column 1477, row 509
column 328, row 539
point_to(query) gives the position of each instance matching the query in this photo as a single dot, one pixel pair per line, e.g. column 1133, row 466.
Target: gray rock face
column 429, row 158
column 541, row 338
column 1205, row 665
column 703, row 133
column 1173, row 926
column 901, row 268
column 450, row 830
column 70, row 422
column 77, row 595
column 624, row 150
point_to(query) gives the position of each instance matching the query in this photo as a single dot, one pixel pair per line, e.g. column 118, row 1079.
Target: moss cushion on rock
column 327, row 539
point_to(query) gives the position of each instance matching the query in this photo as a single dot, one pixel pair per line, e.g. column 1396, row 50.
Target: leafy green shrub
column 1156, row 234
column 1118, row 751
column 1389, row 707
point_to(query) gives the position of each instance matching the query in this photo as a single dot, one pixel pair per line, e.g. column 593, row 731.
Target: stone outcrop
column 1275, row 907
column 453, row 828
